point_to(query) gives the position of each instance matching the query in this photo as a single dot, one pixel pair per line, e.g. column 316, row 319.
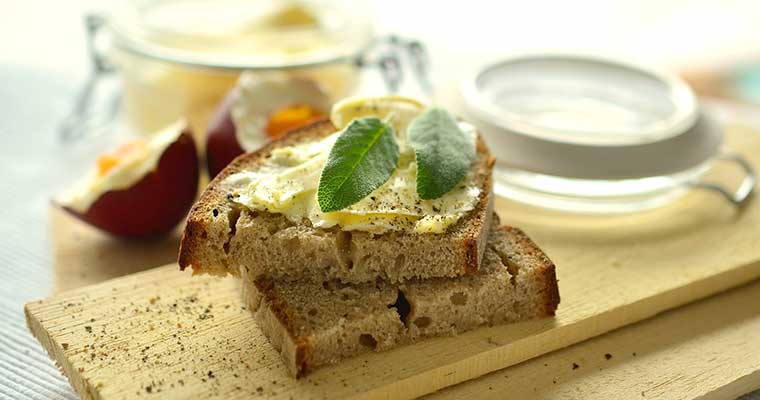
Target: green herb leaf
column 361, row 160
column 444, row 152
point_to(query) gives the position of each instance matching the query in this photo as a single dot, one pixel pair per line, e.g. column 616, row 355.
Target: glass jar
column 179, row 58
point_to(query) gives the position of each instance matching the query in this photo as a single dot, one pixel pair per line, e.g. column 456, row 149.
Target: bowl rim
column 686, row 105
column 125, row 33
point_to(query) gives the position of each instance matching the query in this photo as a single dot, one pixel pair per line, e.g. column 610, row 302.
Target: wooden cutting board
column 151, row 331
column 704, row 350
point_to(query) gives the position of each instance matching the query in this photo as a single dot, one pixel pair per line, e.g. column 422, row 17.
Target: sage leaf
column 443, row 151
column 363, row 157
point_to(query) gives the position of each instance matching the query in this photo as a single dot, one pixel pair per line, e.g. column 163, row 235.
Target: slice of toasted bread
column 221, row 236
column 314, row 324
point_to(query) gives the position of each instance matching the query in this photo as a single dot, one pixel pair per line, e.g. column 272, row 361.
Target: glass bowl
column 593, row 135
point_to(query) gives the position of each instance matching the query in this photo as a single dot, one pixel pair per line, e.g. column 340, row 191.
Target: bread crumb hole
column 402, row 307
column 510, row 264
column 458, row 298
column 368, row 340
column 344, row 249
column 232, row 218
column 313, row 312
column 422, row 322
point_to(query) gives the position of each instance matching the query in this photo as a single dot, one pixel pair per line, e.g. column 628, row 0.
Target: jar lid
column 589, row 118
column 241, row 34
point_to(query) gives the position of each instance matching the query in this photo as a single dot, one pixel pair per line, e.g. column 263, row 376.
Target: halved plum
column 135, row 195
column 222, row 145
column 261, row 107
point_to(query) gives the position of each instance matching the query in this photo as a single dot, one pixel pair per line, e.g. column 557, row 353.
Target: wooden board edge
column 735, row 389
column 56, row 353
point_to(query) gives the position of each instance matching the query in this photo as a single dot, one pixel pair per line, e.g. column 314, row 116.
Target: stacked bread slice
column 323, row 294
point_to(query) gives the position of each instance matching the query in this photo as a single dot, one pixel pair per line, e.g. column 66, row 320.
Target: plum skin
column 221, row 143
column 157, row 202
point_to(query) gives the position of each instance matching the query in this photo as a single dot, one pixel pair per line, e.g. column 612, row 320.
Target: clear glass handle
column 89, row 117
column 389, row 54
column 741, row 195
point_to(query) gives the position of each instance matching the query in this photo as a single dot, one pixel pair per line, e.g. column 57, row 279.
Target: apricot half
column 143, row 189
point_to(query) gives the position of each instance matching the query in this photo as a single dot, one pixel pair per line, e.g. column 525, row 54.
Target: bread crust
column 209, row 244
